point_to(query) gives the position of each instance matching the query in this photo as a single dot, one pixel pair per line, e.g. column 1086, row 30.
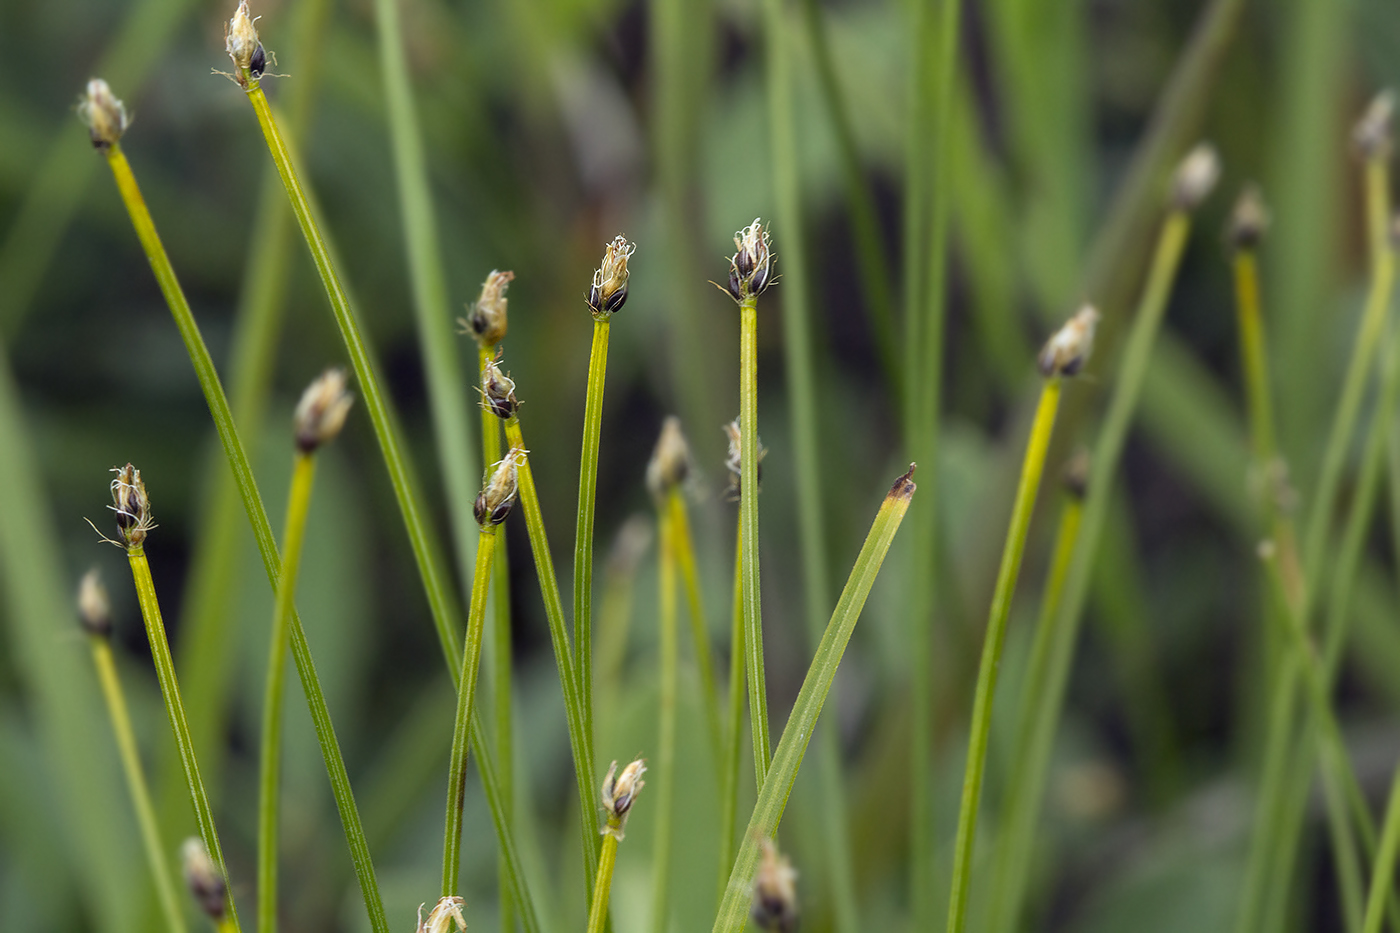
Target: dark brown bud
column 1076, row 474
column 774, row 892
column 1249, row 220
column 132, row 505
column 670, row 461
column 94, row 605
column 609, row 290
column 1067, row 350
column 487, row 320
column 497, row 390
column 203, row 878
column 104, row 115
column 498, row 491
column 751, row 266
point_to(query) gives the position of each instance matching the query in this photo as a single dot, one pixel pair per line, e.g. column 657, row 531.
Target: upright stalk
column 1383, row 874
column 298, row 503
column 583, row 530
column 748, row 525
column 602, row 886
column 668, row 649
column 699, row 630
column 733, row 738
column 1031, row 468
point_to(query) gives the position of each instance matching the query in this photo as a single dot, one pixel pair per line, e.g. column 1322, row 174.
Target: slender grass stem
column 664, row 766
column 262, row 528
column 500, row 647
column 1031, row 469
column 806, row 710
column 598, row 909
column 175, row 710
column 136, row 782
column 583, row 530
column 298, row 504
column 748, row 524
column 1034, row 741
column 471, row 657
column 1383, row 874
column 685, row 560
column 733, row 734
column 559, row 638
column 425, row 550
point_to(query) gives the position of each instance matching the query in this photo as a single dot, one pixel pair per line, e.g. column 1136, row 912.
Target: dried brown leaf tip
column 619, row 793
column 733, row 461
column 609, row 290
column 1195, row 177
column 751, row 266
column 1249, row 220
column 203, row 878
column 497, row 389
column 322, row 410
column 774, row 891
column 670, row 461
column 132, row 505
column 1373, row 134
column 487, row 320
column 497, row 496
column 446, row 913
column 94, row 605
column 244, row 49
column 104, row 115
column 1067, row 350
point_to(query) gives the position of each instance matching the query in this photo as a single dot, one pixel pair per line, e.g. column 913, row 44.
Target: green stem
column 664, row 767
column 500, row 649
column 175, row 710
column 733, row 736
column 425, row 550
column 136, row 781
column 1031, row 469
column 262, row 528
column 806, row 710
column 559, row 638
column 1383, row 875
column 466, row 691
column 598, row 911
column 1033, row 740
column 583, row 530
column 298, row 503
column 685, row 559
column 748, row 524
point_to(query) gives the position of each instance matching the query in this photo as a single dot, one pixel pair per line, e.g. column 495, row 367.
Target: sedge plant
column 619, row 793
column 1064, row 355
column 318, row 419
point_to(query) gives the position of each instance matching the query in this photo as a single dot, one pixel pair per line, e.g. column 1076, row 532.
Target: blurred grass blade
column 787, row 758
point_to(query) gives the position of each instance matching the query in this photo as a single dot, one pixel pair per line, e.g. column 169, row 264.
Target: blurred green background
column 550, row 126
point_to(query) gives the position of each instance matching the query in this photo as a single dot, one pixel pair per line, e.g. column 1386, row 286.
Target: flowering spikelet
column 774, row 892
column 609, row 290
column 203, row 878
column 1372, row 134
column 446, row 912
column 670, row 461
column 1248, row 220
column 1065, row 353
column 733, row 461
column 619, row 793
column 321, row 412
column 94, row 605
column 498, row 491
column 751, row 266
column 104, row 115
column 132, row 505
column 243, row 47
column 497, row 389
column 486, row 320
column 1195, row 177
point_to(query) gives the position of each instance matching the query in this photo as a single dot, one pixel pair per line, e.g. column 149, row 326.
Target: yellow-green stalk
column 1064, row 355
column 1034, row 737
column 133, row 512
column 95, row 613
column 488, row 321
column 1383, row 874
column 493, row 504
column 733, row 733
column 607, row 295
column 750, row 273
column 619, row 793
column 699, row 629
column 318, row 419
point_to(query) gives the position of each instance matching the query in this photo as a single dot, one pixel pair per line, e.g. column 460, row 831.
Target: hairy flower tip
column 497, row 390
column 244, row 50
column 1195, row 177
column 670, row 461
column 94, row 605
column 486, row 319
column 132, row 505
column 321, row 412
column 751, row 266
column 203, row 877
column 1075, row 474
column 1249, row 220
column 1373, row 132
column 445, row 913
column 774, row 891
column 498, row 489
column 1067, row 350
column 733, row 461
column 104, row 115
column 619, row 792
column 609, row 290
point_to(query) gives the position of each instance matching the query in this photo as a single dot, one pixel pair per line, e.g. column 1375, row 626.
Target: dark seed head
column 258, row 63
